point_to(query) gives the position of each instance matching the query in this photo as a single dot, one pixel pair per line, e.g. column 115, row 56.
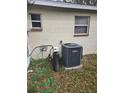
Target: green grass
column 41, row 80
column 45, row 80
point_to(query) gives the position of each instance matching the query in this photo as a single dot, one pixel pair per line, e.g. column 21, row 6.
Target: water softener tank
column 56, row 61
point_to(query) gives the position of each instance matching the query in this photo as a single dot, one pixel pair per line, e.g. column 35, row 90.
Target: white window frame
column 36, row 21
column 88, row 25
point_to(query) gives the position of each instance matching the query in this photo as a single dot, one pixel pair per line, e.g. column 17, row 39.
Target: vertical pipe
column 28, row 50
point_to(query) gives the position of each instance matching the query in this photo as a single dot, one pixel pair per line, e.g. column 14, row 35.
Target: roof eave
column 64, row 5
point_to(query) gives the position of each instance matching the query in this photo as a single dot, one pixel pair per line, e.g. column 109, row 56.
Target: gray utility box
column 71, row 54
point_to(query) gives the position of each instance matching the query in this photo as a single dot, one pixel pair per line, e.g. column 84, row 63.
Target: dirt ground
column 44, row 80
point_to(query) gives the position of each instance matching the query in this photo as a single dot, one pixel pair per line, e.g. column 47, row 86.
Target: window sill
column 81, row 34
column 36, row 30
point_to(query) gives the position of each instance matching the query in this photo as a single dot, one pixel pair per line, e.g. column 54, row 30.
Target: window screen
column 81, row 20
column 81, row 24
column 81, row 29
column 35, row 17
column 36, row 21
column 36, row 24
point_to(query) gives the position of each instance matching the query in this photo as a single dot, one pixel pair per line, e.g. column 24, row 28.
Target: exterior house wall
column 58, row 24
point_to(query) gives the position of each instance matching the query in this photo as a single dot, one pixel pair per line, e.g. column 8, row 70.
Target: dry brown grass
column 82, row 80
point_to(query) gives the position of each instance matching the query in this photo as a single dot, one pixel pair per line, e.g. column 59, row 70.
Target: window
column 81, row 25
column 36, row 21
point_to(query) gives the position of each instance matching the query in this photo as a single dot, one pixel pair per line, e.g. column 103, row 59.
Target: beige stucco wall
column 58, row 24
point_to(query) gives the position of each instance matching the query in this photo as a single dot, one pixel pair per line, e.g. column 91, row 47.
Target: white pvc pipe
column 28, row 61
column 28, row 49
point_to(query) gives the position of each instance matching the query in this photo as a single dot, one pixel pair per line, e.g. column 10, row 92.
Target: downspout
column 28, row 47
column 28, row 50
